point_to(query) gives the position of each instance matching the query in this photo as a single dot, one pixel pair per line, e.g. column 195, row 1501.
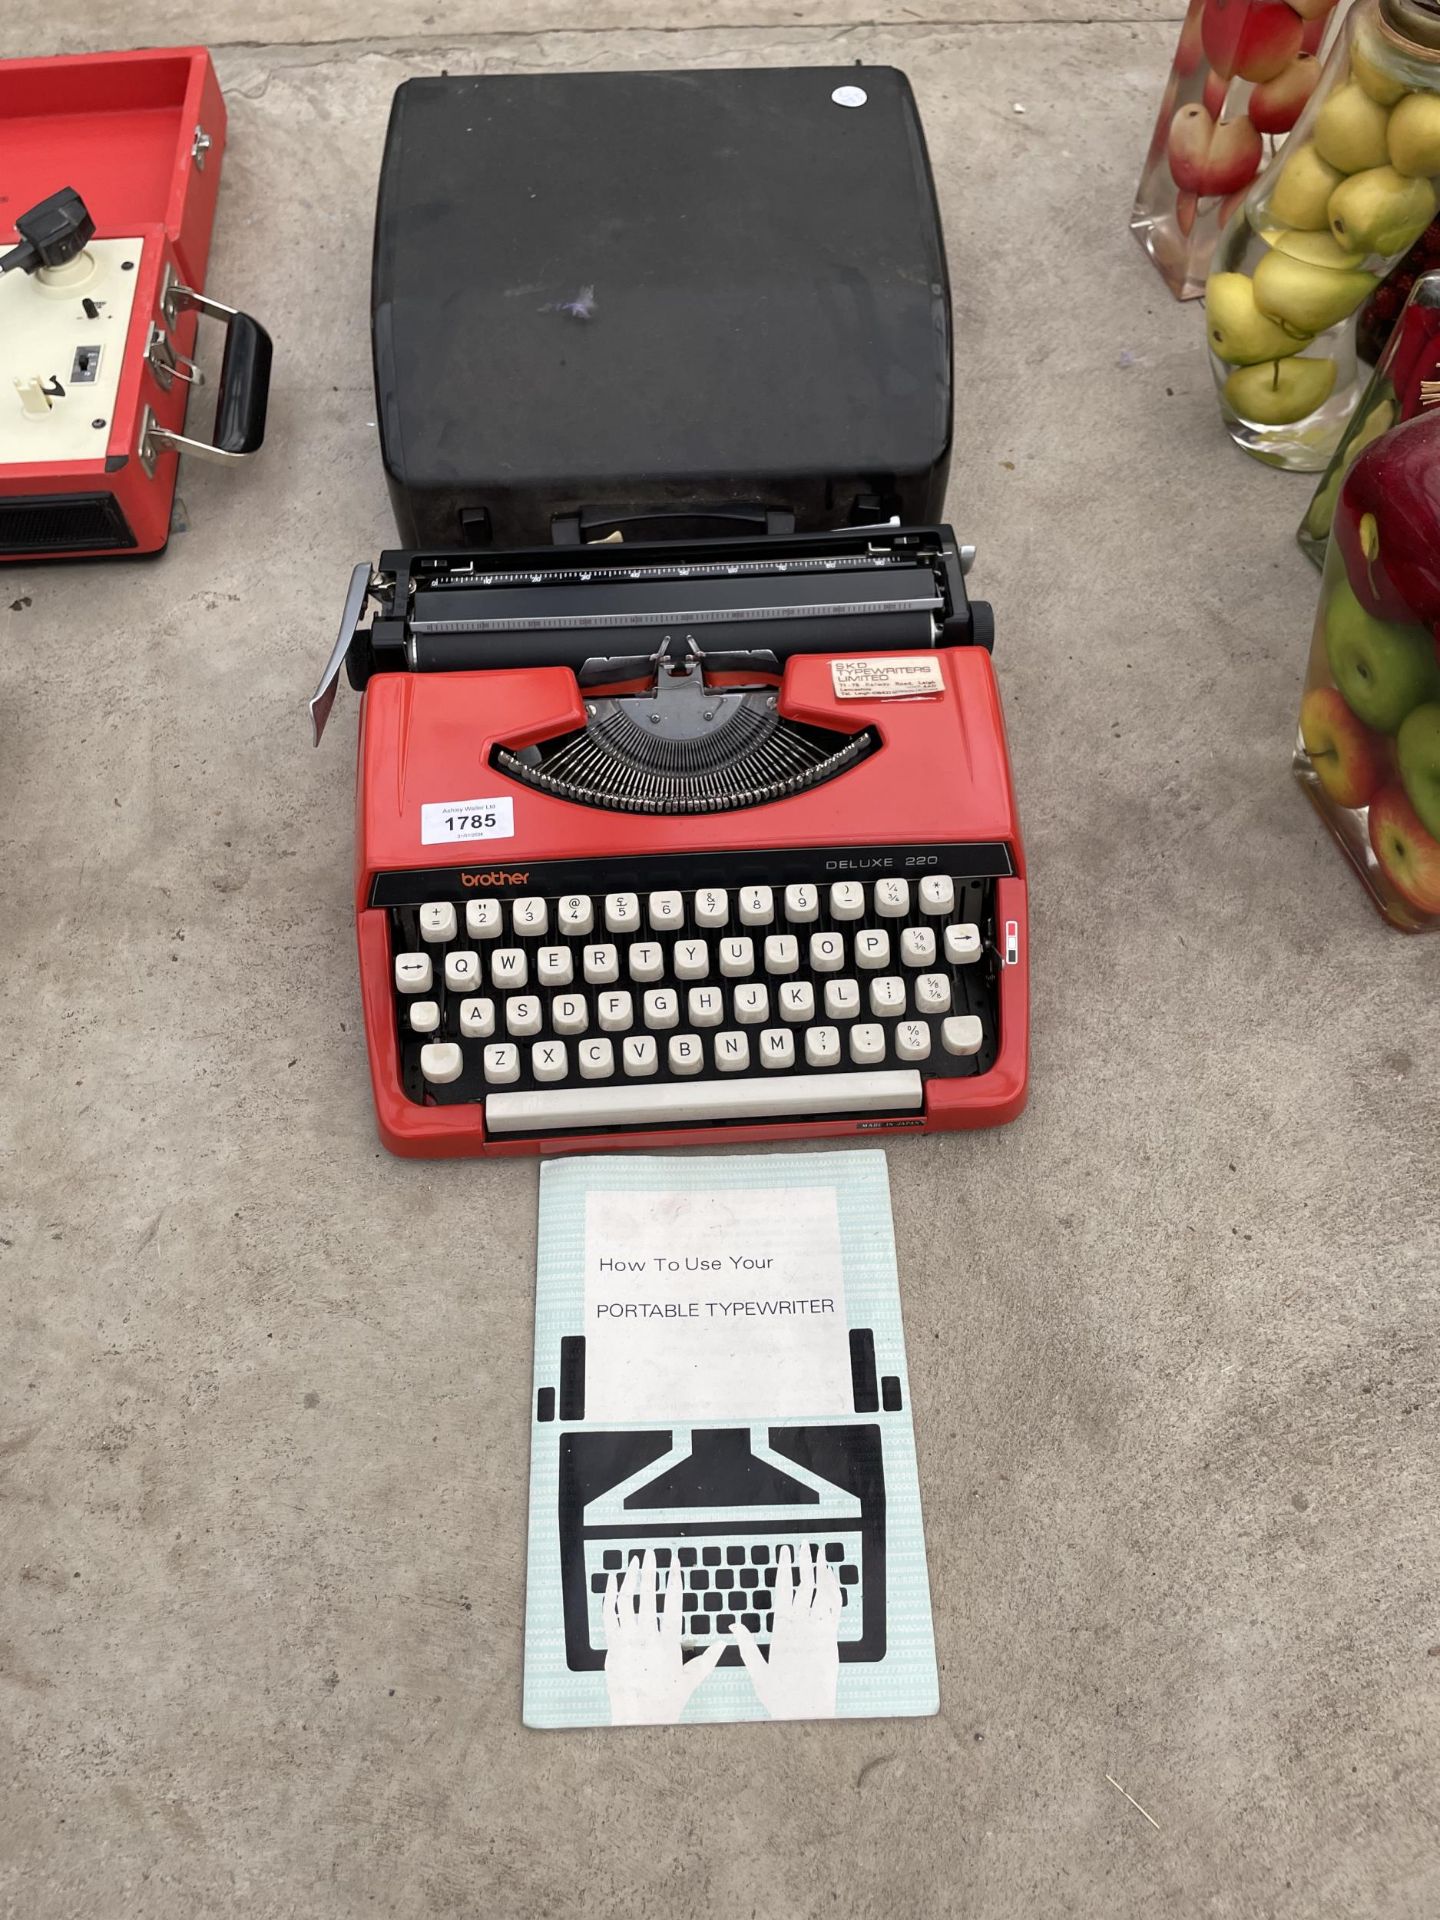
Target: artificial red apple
column 1349, row 760
column 1188, row 147
column 1312, row 38
column 1217, row 89
column 1387, row 524
column 1277, row 104
column 1233, row 161
column 1190, row 52
column 1254, row 39
column 1417, row 749
column 1409, row 856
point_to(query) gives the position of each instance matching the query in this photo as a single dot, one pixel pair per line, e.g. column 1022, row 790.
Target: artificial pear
column 1301, row 195
column 1281, row 393
column 1320, row 249
column 1369, row 68
column 1414, row 135
column 1236, row 328
column 1350, row 130
column 1305, row 298
column 1380, row 210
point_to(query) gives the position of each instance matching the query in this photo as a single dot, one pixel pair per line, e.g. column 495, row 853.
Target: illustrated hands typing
column 647, row 1675
column 799, row 1680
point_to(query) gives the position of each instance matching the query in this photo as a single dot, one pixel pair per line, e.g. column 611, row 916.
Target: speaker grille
column 63, row 523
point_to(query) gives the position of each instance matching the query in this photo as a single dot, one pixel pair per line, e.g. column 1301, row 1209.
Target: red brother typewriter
column 684, row 812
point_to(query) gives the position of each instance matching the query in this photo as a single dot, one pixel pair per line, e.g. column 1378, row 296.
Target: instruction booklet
column 724, row 1511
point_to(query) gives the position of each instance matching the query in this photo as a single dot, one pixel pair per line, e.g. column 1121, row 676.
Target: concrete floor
column 263, row 1411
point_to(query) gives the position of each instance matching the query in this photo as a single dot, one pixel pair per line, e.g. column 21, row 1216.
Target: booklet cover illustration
column 724, row 1512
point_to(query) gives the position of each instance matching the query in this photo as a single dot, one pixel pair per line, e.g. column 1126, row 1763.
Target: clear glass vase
column 1367, row 750
column 1354, row 188
column 1405, row 383
column 1242, row 73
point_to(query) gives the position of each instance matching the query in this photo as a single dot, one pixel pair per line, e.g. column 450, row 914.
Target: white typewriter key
column 602, row 966
column 646, row 961
column 872, row 949
column 568, row 1013
column 662, row 1009
column 937, row 893
column 615, row 1012
column 887, row 996
column 737, row 958
column 555, row 966
column 622, row 913
column 782, row 953
column 477, row 1019
column 867, row 1044
column 797, row 1000
column 530, row 917
column 509, row 967
column 712, row 907
column 827, row 952
column 705, row 1006
column 442, row 1061
column 917, row 947
column 912, row 1040
column 962, row 1033
column 413, row 973
column 757, row 906
column 502, row 1065
column 685, row 1053
column 842, row 1000
column 522, row 1015
column 962, row 944
column 438, row 923
column 892, row 898
column 549, row 1061
column 462, row 971
column 692, row 959
column 777, row 1047
column 802, row 904
column 847, row 900
column 732, row 1052
column 576, row 915
column 822, row 1046
column 482, row 919
column 640, row 1056
column 932, row 993
column 424, row 1016
column 667, row 912
column 752, row 1004
column 597, row 1059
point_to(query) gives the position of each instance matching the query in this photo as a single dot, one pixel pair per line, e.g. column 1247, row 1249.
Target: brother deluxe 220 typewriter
column 687, row 826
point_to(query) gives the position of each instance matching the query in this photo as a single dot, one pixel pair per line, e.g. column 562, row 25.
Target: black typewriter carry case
column 713, row 299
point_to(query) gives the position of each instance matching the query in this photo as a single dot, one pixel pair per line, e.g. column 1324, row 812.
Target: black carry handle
column 244, row 392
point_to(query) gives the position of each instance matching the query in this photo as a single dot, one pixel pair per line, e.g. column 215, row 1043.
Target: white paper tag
column 442, row 820
column 887, row 678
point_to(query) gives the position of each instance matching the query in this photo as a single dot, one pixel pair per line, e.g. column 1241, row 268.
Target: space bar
column 551, row 1109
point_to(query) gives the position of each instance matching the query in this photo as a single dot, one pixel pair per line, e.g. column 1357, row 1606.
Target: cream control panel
column 62, row 345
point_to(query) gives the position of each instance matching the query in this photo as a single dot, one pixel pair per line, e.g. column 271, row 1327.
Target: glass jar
column 1368, row 747
column 1354, row 188
column 1406, row 381
column 1242, row 73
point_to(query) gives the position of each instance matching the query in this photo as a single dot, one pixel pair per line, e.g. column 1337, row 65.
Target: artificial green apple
column 1321, row 512
column 1306, row 298
column 1370, row 68
column 1236, row 328
column 1320, row 249
column 1301, row 195
column 1349, row 759
column 1383, row 669
column 1350, row 130
column 1414, row 134
column 1380, row 210
column 1409, row 857
column 1417, row 748
column 1281, row 392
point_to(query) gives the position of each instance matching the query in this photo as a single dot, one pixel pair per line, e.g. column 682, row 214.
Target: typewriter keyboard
column 725, row 1580
column 593, row 1011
